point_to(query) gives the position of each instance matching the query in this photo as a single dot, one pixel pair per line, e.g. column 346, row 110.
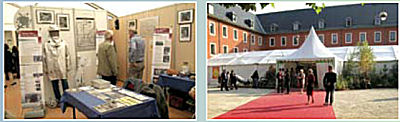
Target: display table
column 178, row 83
column 86, row 102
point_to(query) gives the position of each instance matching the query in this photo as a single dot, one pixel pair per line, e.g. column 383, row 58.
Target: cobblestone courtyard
column 349, row 104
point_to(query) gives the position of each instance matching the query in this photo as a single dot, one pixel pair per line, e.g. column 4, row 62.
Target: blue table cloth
column 85, row 102
column 178, row 83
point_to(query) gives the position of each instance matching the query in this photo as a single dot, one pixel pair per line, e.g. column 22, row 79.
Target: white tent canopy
column 311, row 50
column 381, row 53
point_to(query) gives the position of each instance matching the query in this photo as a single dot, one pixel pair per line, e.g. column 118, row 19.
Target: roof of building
column 334, row 17
column 220, row 12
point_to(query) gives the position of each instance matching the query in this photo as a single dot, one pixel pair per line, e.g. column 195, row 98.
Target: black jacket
column 330, row 79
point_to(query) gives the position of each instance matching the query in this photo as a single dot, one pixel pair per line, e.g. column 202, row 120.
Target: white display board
column 161, row 51
column 322, row 68
column 31, row 67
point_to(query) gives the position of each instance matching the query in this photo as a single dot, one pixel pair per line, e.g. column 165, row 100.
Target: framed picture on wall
column 63, row 21
column 45, row 17
column 185, row 16
column 132, row 24
column 184, row 33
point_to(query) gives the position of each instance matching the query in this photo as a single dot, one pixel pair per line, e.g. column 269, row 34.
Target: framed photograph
column 63, row 21
column 45, row 17
column 184, row 33
column 132, row 24
column 185, row 16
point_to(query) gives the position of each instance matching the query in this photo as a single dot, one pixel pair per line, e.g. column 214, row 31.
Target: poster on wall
column 161, row 51
column 31, row 68
column 85, row 34
column 215, row 72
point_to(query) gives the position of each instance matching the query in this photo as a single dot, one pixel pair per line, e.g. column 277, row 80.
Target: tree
column 366, row 57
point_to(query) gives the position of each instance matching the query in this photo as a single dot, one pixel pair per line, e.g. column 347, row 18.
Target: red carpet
column 282, row 106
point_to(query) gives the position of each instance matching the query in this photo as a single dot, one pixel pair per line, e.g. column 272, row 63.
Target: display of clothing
column 7, row 61
column 56, row 59
column 156, row 92
column 15, row 60
column 107, row 58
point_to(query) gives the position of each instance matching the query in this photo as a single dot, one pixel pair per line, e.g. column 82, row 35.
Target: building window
column 234, row 18
column 245, row 50
column 363, row 36
column 296, row 40
column 392, row 36
column 377, row 37
column 272, row 41
column 348, row 22
column 260, row 42
column 235, row 34
column 253, row 39
column 321, row 23
column 244, row 37
column 274, row 27
column 377, row 21
column 235, row 49
column 296, row 26
column 283, row 41
column 210, row 9
column 225, row 47
column 334, row 38
column 212, row 28
column 212, row 49
column 224, row 31
column 251, row 23
column 348, row 37
column 321, row 38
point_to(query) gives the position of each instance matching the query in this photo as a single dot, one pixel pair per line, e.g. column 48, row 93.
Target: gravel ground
column 366, row 104
column 219, row 102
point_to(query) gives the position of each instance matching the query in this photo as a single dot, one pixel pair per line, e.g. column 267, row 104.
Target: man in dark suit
column 329, row 84
column 224, row 80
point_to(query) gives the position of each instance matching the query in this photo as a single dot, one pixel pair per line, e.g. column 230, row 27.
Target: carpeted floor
column 282, row 106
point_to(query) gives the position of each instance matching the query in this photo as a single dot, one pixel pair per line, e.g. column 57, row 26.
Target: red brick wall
column 341, row 37
column 220, row 41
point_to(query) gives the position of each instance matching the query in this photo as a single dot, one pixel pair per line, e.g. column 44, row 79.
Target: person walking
column 223, row 78
column 329, row 84
column 287, row 81
column 280, row 78
column 255, row 78
column 233, row 80
column 310, row 86
column 302, row 81
column 107, row 57
column 136, row 55
column 7, row 64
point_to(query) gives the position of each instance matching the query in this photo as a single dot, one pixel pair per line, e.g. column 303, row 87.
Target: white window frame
column 215, row 48
column 351, row 38
column 269, row 40
column 298, row 40
column 337, row 38
column 223, row 49
column 351, row 21
column 395, row 36
column 260, row 41
column 234, row 17
column 380, row 37
column 253, row 39
column 359, row 36
column 296, row 26
column 244, row 37
column 321, row 23
column 285, row 40
column 224, row 26
column 210, row 9
column 236, row 49
column 245, row 50
column 323, row 38
column 209, row 27
column 237, row 34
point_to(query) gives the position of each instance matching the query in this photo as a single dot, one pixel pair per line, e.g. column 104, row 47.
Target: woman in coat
column 310, row 86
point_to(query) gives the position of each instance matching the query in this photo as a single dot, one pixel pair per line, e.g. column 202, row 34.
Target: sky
column 120, row 8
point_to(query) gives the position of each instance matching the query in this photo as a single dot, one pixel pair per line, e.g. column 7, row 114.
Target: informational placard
column 215, row 72
column 85, row 32
column 31, row 66
column 161, row 51
column 322, row 68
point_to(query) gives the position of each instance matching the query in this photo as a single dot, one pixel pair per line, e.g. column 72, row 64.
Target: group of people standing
column 307, row 81
column 228, row 78
column 11, row 63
